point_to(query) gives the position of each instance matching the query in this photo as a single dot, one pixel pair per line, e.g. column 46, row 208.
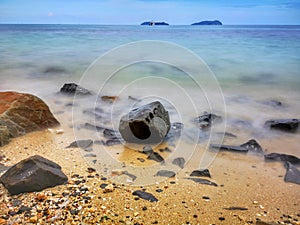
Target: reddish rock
column 22, row 113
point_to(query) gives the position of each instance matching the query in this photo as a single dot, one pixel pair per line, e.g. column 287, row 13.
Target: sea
column 247, row 74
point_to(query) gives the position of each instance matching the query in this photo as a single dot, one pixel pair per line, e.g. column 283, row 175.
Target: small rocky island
column 208, row 22
column 153, row 23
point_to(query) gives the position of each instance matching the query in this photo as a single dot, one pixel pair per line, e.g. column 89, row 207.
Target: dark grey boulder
column 147, row 124
column 287, row 125
column 32, row 174
column 72, row 89
column 253, row 146
column 282, row 158
column 292, row 174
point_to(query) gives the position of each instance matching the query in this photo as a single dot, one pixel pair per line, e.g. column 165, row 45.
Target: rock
column 229, row 148
column 81, row 144
column 206, row 120
column 260, row 222
column 273, row 103
column 208, row 22
column 22, row 113
column 134, row 99
column 3, row 168
column 292, row 173
column 251, row 146
column 156, row 157
column 108, row 188
column 202, row 181
column 72, row 89
column 282, row 157
column 32, row 174
column 180, row 161
column 109, row 99
column 152, row 23
column 110, row 133
column 165, row 173
column 200, row 173
column 236, row 208
column 4, row 135
column 132, row 176
column 287, row 125
column 145, row 195
column 147, row 124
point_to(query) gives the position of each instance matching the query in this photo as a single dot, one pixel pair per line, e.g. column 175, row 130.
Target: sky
column 176, row 12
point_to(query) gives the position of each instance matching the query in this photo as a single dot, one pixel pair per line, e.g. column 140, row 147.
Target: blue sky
column 137, row 11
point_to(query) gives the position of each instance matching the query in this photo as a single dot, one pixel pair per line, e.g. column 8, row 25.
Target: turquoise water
column 241, row 53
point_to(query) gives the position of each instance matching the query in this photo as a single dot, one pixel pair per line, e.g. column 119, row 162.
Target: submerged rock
column 145, row 195
column 287, row 125
column 251, row 146
column 282, row 157
column 205, row 121
column 72, row 89
column 180, row 161
column 201, row 173
column 32, row 174
column 292, row 173
column 22, row 113
column 110, row 99
column 147, row 124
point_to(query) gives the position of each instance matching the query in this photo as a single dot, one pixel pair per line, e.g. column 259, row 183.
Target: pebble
column 108, row 188
column 221, row 218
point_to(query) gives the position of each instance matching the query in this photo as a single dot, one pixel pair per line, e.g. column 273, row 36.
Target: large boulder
column 22, row 113
column 147, row 124
column 32, row 174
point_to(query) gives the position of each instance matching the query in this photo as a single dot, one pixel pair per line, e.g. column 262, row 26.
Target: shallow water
column 253, row 65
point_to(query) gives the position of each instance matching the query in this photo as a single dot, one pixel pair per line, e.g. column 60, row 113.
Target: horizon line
column 103, row 24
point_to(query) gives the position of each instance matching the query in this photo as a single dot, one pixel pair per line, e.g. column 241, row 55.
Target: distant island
column 208, row 22
column 152, row 23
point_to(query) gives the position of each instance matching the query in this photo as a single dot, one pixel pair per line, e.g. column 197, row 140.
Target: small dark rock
column 144, row 208
column 221, row 218
column 205, row 197
column 91, row 170
column 159, row 190
column 110, row 133
column 81, row 144
column 229, row 148
column 145, row 195
column 165, row 173
column 236, row 208
column 202, row 181
column 201, row 173
column 23, row 209
column 141, row 159
column 282, row 157
column 206, row 120
column 287, row 125
column 166, row 149
column 103, row 186
column 90, row 155
column 253, row 146
column 32, row 174
column 72, row 89
column 156, row 157
column 180, row 161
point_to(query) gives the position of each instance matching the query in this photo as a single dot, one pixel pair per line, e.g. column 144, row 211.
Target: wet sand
column 243, row 181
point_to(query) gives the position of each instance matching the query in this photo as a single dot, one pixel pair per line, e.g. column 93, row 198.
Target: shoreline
column 244, row 181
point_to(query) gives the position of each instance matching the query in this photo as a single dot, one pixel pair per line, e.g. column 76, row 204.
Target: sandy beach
column 243, row 181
